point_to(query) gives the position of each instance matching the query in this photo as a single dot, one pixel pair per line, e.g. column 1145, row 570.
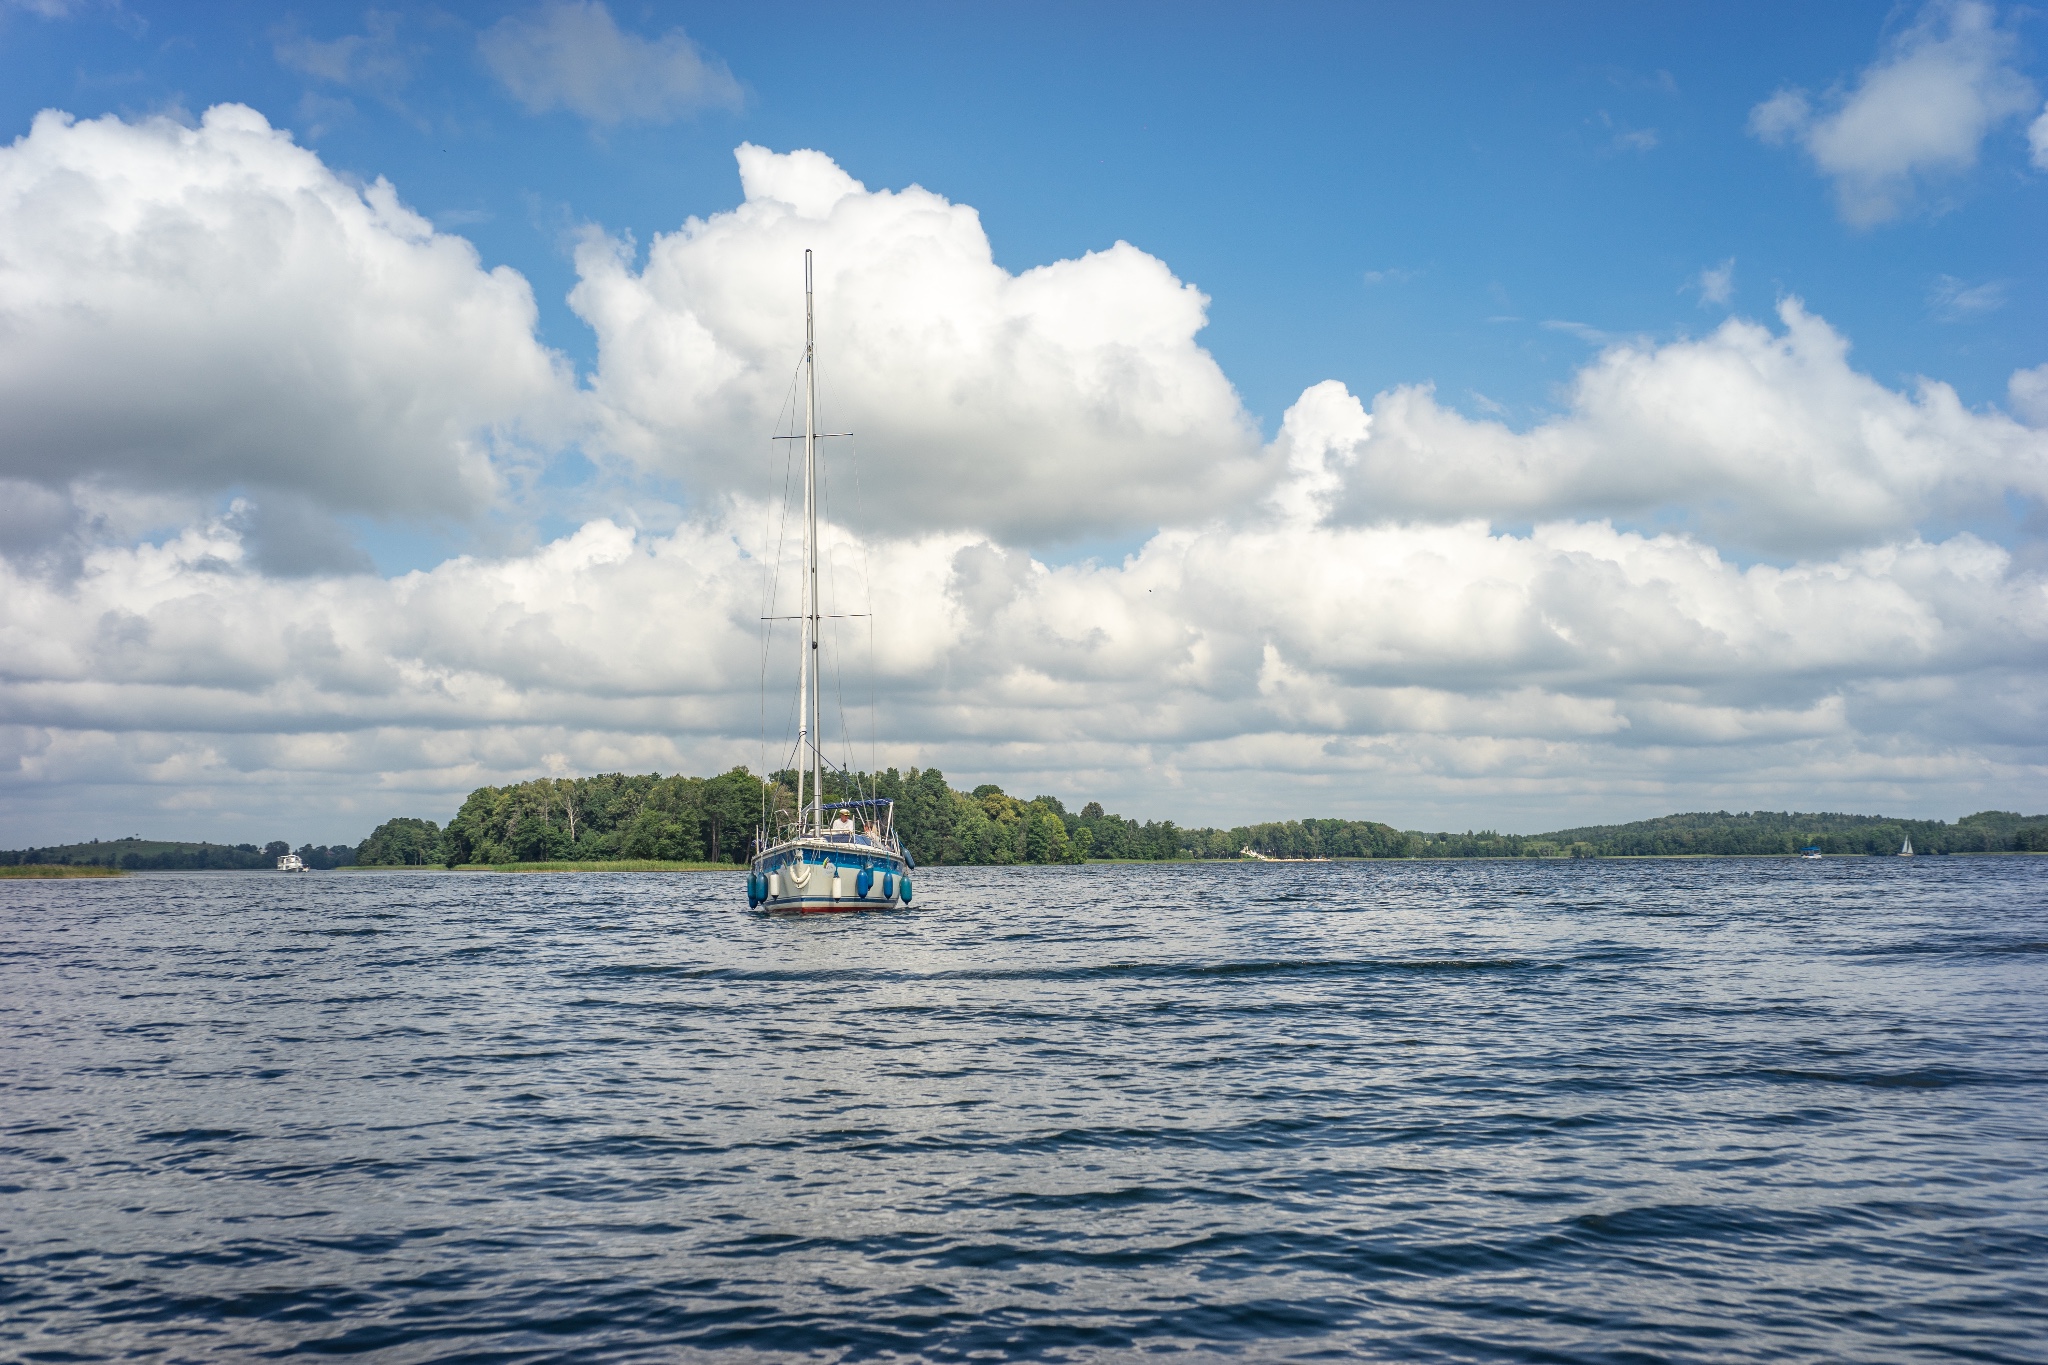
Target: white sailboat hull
column 835, row 874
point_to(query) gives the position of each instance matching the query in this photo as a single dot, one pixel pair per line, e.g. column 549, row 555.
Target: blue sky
column 1596, row 410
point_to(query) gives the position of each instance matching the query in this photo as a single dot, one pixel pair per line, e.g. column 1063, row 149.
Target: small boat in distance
column 291, row 862
column 1810, row 851
column 1907, row 850
column 823, row 856
column 1249, row 852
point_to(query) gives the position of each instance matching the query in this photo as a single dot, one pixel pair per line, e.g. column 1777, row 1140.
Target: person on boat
column 842, row 823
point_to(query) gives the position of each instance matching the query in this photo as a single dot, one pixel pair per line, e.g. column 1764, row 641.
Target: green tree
column 401, row 842
column 534, row 839
column 1045, row 836
column 731, row 805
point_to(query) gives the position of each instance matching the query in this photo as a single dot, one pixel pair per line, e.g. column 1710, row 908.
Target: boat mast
column 813, row 681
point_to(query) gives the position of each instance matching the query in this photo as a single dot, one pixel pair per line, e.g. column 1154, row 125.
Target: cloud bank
column 1731, row 570
column 1763, row 441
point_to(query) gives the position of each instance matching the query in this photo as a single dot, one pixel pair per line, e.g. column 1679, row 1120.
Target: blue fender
column 864, row 882
column 888, row 886
column 903, row 888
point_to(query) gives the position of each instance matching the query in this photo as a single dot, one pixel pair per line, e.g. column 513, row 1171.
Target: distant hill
column 157, row 855
column 1766, row 832
column 1697, row 833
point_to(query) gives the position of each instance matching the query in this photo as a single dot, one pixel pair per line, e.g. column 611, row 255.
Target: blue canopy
column 848, row 805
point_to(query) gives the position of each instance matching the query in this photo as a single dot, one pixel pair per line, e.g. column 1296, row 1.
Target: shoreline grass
column 616, row 865
column 1527, row 858
column 27, row 871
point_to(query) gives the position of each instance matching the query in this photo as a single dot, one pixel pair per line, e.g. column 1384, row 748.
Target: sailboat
column 823, row 856
column 1906, row 851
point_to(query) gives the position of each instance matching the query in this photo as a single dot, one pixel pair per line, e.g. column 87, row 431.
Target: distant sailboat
column 1906, row 851
column 823, row 856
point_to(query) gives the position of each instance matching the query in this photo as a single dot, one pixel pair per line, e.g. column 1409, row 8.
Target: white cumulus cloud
column 2028, row 390
column 198, row 309
column 1762, row 440
column 1068, row 400
column 573, row 55
column 1922, row 109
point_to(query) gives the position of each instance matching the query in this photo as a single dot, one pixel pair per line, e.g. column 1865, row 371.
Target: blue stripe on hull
column 822, row 858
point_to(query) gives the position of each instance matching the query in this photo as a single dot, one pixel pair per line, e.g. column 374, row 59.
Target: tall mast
column 813, row 681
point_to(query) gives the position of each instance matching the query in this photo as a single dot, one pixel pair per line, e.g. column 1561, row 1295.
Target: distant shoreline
column 75, row 871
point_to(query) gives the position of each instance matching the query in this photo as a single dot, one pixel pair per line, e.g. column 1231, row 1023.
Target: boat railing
column 853, row 838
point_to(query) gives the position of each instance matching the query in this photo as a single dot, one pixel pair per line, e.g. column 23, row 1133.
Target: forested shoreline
column 618, row 817
column 691, row 819
column 165, row 855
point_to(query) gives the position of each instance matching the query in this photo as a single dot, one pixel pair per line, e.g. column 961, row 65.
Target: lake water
column 1714, row 1110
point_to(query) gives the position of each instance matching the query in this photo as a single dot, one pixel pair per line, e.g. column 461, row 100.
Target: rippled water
column 1537, row 1111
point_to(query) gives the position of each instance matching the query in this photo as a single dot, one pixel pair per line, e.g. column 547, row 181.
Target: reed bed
column 620, row 865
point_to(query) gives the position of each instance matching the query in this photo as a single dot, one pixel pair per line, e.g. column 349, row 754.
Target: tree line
column 618, row 816
column 1699, row 833
column 161, row 855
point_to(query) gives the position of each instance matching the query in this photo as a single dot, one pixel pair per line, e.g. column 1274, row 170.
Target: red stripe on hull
column 853, row 909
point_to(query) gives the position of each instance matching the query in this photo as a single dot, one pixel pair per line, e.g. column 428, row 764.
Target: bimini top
column 849, row 805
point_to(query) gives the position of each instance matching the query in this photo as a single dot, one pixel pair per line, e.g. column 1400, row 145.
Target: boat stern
column 814, row 881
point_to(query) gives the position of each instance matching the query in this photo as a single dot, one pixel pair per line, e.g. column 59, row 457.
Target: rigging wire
column 832, row 588
column 838, row 673
column 774, row 580
column 867, row 578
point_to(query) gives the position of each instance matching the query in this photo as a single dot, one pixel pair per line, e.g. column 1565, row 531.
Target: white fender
column 774, row 886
